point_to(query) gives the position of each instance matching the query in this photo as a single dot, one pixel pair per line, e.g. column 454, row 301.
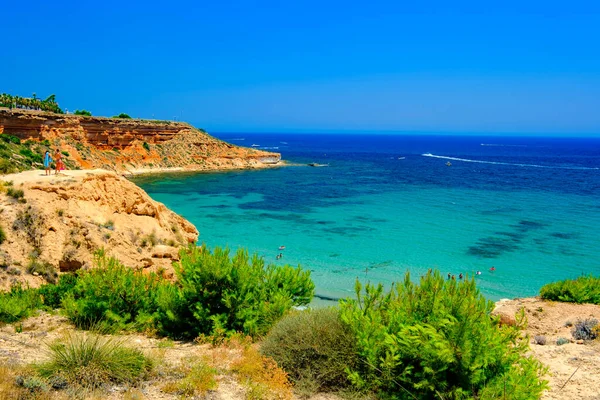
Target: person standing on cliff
column 58, row 158
column 47, row 162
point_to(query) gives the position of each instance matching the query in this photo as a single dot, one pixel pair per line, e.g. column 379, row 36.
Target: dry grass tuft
column 197, row 378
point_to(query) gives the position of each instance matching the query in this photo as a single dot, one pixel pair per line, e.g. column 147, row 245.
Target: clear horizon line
column 411, row 133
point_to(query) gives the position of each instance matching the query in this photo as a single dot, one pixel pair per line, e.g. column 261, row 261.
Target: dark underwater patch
column 514, row 236
column 381, row 264
column 564, row 235
column 528, row 225
column 360, row 218
column 217, row 206
column 492, row 247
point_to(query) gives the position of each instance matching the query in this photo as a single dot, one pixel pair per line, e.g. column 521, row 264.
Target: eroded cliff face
column 130, row 144
column 66, row 219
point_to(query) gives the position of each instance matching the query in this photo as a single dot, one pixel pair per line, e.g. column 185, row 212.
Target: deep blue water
column 385, row 204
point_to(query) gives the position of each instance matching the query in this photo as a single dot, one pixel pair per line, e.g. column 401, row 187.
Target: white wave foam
column 503, row 163
column 270, row 148
column 237, row 139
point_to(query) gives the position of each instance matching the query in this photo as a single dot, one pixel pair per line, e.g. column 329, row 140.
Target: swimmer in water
column 493, row 268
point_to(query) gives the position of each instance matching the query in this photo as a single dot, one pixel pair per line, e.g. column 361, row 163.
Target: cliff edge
column 58, row 222
column 127, row 145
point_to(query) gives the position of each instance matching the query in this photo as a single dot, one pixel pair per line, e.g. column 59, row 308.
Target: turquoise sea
column 385, row 204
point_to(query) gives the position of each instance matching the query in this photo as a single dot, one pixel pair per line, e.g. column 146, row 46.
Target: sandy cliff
column 130, row 144
column 65, row 219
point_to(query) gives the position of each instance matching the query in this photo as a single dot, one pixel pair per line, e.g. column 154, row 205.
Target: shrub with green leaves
column 7, row 166
column 91, row 361
column 585, row 289
column 222, row 294
column 10, row 138
column 315, row 348
column 18, row 303
column 53, row 294
column 2, row 234
column 437, row 339
column 112, row 297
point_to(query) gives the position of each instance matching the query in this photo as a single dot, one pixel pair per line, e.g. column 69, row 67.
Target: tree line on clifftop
column 37, row 104
column 30, row 103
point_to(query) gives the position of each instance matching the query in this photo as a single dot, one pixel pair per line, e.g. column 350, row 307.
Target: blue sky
column 309, row 65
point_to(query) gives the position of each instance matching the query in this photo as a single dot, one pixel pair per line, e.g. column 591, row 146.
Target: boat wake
column 503, row 163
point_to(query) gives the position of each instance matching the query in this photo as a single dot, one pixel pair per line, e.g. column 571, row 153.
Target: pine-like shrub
column 52, row 294
column 314, row 347
column 112, row 297
column 437, row 339
column 219, row 294
column 18, row 303
column 585, row 289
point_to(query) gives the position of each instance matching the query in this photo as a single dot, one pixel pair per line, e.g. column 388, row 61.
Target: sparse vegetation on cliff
column 84, row 113
column 17, row 155
column 585, row 289
column 122, row 115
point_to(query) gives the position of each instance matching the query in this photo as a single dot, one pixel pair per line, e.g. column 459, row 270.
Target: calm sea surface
column 528, row 206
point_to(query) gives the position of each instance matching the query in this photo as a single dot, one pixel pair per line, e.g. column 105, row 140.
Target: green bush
column 33, row 157
column 315, row 348
column 83, row 112
column 53, row 294
column 122, row 115
column 18, row 303
column 91, row 361
column 222, row 294
column 214, row 295
column 112, row 297
column 438, row 340
column 585, row 289
column 2, row 235
column 10, row 138
column 146, row 146
column 7, row 166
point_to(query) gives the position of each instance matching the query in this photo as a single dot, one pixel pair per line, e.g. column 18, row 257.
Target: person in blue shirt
column 47, row 162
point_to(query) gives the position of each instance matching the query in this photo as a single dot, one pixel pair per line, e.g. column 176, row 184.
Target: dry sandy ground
column 30, row 346
column 574, row 369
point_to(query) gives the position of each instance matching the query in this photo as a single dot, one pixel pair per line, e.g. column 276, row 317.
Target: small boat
column 281, row 247
column 448, row 163
column 314, row 164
